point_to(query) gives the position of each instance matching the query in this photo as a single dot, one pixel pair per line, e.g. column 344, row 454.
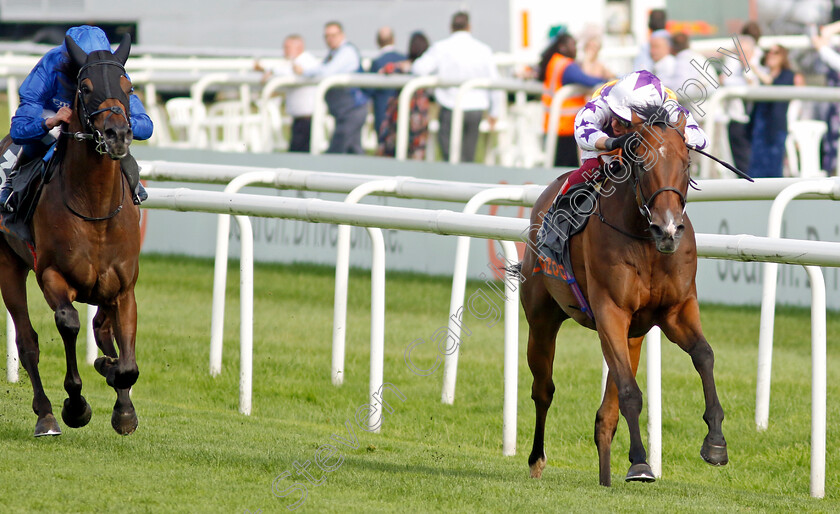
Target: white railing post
column 217, row 316
column 653, row 340
column 377, row 327
column 342, row 270
column 459, row 283
column 511, row 355
column 12, row 358
column 818, row 381
column 829, row 187
column 92, row 350
column 246, row 314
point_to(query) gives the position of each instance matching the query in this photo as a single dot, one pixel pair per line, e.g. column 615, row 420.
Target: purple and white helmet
column 640, row 92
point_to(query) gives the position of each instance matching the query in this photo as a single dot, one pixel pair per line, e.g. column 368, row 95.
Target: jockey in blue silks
column 46, row 98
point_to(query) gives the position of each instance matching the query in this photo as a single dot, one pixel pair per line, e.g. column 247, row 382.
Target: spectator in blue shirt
column 347, row 105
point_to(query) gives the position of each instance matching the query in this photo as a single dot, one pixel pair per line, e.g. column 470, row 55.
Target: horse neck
column 621, row 208
column 90, row 179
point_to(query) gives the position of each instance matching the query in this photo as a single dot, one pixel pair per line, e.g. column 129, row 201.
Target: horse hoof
column 124, row 422
column 73, row 416
column 640, row 472
column 714, row 454
column 537, row 468
column 102, row 364
column 47, row 426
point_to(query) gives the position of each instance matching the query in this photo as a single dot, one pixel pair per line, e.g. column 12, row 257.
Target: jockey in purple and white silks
column 46, row 97
column 601, row 126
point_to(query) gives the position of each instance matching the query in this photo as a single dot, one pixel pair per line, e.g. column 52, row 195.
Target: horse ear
column 75, row 51
column 125, row 47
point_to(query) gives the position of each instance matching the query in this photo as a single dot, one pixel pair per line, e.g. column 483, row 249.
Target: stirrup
column 6, row 205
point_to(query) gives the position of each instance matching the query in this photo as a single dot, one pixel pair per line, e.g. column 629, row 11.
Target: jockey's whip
column 728, row 166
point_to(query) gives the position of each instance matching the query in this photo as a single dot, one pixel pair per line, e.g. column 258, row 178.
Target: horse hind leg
column 683, row 327
column 13, row 279
column 76, row 411
column 544, row 320
column 606, row 421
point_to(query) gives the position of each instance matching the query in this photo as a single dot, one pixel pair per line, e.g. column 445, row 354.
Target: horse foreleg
column 13, row 277
column 613, row 324
column 606, row 420
column 682, row 326
column 76, row 411
column 125, row 373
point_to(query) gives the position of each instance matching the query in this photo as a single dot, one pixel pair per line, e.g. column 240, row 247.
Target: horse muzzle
column 667, row 238
column 117, row 141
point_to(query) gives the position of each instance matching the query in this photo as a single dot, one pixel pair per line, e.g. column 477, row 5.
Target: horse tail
column 515, row 269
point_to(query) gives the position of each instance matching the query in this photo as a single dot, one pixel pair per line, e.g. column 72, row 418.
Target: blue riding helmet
column 88, row 38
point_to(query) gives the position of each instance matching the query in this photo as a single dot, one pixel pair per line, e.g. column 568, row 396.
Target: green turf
column 194, row 453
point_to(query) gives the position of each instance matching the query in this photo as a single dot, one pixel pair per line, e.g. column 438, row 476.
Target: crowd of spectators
column 460, row 56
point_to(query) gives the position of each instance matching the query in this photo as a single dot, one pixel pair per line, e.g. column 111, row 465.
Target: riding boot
column 8, row 163
column 7, row 193
column 131, row 170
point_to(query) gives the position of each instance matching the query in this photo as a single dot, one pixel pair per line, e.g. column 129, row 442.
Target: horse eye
column 85, row 89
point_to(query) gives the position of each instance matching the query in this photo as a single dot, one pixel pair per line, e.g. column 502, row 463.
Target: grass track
column 194, row 453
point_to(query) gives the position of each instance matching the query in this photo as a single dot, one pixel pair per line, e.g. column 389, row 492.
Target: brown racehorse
column 635, row 262
column 86, row 244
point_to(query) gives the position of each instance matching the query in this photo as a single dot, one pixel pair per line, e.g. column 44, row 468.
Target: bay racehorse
column 86, row 243
column 635, row 263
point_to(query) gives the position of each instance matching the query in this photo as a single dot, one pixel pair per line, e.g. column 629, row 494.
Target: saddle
column 566, row 217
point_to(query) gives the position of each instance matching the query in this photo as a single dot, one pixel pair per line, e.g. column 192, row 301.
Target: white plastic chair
column 803, row 148
column 180, row 113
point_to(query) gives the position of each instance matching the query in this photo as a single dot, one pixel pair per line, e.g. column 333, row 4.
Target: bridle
column 89, row 131
column 644, row 204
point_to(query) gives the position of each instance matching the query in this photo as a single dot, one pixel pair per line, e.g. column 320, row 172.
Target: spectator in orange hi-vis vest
column 557, row 69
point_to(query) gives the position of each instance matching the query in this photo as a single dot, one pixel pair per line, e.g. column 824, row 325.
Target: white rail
column 740, row 247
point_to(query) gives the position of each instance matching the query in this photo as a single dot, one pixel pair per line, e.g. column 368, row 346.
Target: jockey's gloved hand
column 614, row 143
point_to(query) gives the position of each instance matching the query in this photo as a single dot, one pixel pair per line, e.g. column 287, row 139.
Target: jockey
column 603, row 123
column 46, row 98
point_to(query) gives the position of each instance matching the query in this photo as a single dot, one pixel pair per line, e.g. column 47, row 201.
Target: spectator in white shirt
column 300, row 101
column 461, row 57
column 656, row 21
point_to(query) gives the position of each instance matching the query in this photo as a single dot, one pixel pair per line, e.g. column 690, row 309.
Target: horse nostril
column 657, row 231
column 680, row 230
column 110, row 134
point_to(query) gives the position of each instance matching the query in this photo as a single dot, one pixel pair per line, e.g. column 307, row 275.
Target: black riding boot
column 131, row 170
column 8, row 163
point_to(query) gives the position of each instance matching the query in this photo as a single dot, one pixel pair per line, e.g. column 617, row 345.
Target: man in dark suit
column 387, row 54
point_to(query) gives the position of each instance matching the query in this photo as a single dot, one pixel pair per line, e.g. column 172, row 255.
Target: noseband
column 90, row 132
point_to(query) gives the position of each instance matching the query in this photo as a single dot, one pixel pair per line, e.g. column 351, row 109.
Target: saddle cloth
column 566, row 217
